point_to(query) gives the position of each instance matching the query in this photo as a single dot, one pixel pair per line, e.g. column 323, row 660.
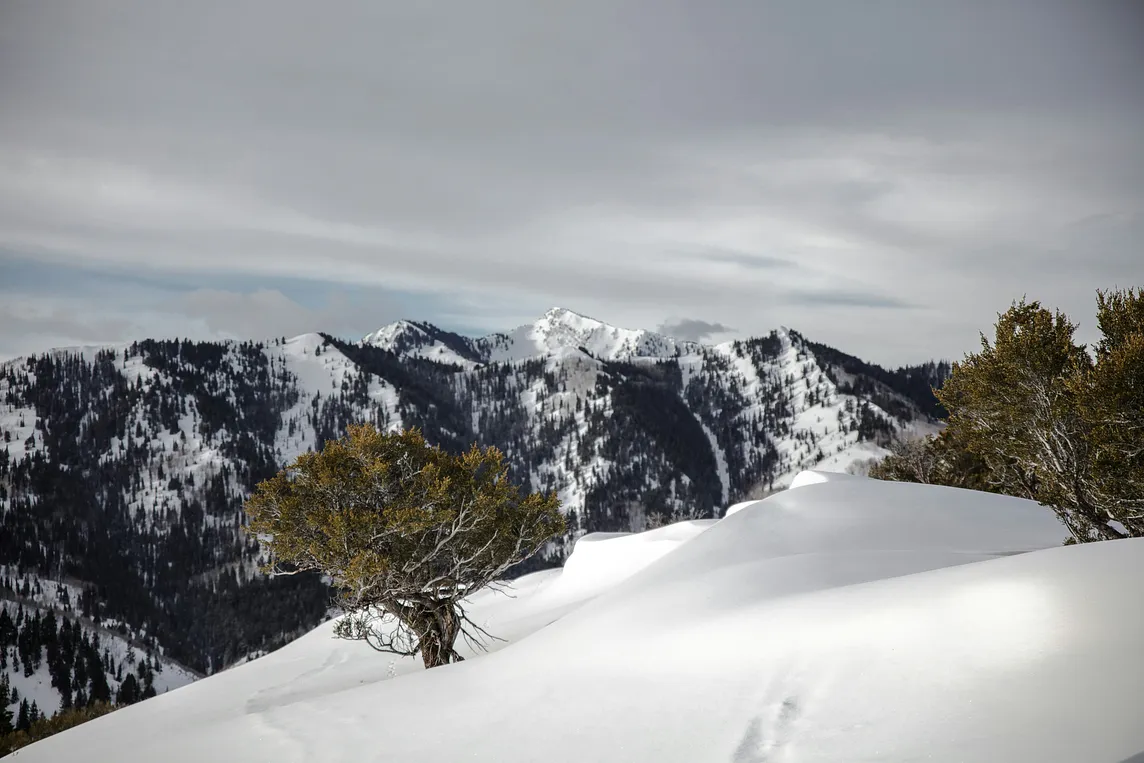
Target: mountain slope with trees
column 123, row 470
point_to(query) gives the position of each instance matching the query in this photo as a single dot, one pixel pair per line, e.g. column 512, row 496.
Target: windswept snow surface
column 843, row 620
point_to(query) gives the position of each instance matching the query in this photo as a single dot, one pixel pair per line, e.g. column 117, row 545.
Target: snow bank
column 845, row 620
column 839, row 532
column 802, row 479
column 600, row 559
column 818, row 476
column 737, row 507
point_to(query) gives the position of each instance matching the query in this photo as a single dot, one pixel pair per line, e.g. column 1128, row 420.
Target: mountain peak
column 569, row 323
column 424, row 340
column 390, row 333
column 561, row 331
column 563, row 314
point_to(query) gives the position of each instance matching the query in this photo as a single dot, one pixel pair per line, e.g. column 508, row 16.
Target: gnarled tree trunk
column 437, row 624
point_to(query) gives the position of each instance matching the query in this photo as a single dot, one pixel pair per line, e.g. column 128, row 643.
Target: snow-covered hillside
column 49, row 648
column 126, row 468
column 842, row 620
column 765, row 379
column 769, row 400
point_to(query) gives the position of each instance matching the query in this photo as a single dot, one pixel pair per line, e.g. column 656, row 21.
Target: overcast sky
column 883, row 176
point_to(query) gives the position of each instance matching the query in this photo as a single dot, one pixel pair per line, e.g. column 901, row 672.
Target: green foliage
column 45, row 727
column 405, row 531
column 1010, row 403
column 1111, row 402
column 1033, row 414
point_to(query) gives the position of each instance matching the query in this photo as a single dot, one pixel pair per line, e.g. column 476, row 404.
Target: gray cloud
column 766, row 163
column 34, row 324
column 749, row 260
column 258, row 314
column 693, row 329
column 837, row 298
column 55, row 326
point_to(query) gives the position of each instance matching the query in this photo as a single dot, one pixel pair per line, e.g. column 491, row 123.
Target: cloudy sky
column 884, row 176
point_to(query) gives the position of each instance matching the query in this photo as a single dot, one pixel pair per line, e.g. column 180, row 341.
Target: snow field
column 842, row 620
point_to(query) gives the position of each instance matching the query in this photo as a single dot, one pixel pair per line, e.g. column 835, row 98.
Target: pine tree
column 5, row 714
column 128, row 693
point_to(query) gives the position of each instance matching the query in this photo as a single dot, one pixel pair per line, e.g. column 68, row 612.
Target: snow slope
column 843, row 620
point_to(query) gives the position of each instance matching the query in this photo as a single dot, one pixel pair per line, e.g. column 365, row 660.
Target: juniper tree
column 910, row 460
column 405, row 531
column 1111, row 401
column 1053, row 423
column 939, row 459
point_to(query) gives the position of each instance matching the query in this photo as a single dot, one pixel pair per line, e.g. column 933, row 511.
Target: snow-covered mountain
column 812, row 376
column 124, row 469
column 557, row 333
column 561, row 331
column 426, row 341
column 846, row 619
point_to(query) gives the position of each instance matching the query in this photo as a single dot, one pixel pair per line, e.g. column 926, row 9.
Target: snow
column 843, row 620
column 37, row 687
column 408, row 339
column 600, row 558
column 817, row 477
column 823, row 435
column 320, row 368
column 826, row 423
column 853, row 455
column 561, row 330
column 737, row 507
column 19, row 424
column 387, row 336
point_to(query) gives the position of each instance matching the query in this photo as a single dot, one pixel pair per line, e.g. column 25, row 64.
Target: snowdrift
column 843, row 620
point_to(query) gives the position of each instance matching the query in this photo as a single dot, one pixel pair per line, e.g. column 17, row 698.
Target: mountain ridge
column 559, row 329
